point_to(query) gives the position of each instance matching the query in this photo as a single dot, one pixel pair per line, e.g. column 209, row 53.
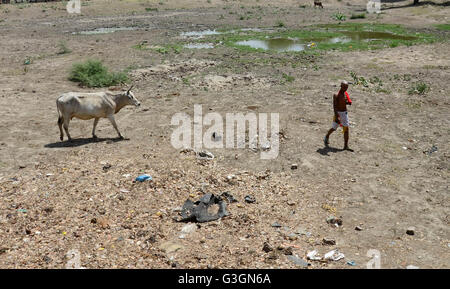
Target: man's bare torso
column 340, row 102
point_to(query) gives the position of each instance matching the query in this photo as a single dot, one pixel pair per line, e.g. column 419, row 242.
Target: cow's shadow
column 83, row 141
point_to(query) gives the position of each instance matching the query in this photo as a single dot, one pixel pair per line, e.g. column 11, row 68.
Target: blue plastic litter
column 143, row 178
column 351, row 263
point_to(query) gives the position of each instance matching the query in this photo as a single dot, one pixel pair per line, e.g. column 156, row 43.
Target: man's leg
column 346, row 133
column 334, row 126
column 325, row 140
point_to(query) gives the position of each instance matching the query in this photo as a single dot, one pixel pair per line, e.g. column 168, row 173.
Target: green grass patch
column 387, row 35
column 339, row 16
column 419, row 88
column 92, row 73
column 445, row 27
column 287, row 77
column 63, row 49
column 358, row 16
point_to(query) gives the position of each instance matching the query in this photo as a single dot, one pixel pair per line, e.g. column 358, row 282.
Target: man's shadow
column 82, row 141
column 327, row 149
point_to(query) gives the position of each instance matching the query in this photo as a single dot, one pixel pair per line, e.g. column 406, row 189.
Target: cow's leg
column 113, row 121
column 66, row 127
column 60, row 123
column 95, row 125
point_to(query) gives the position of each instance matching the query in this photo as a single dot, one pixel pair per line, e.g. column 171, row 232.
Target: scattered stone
column 267, row 247
column 410, row 231
column 189, row 228
column 412, row 267
column 358, row 228
column 313, row 255
column 335, row 221
column 250, row 199
column 287, row 251
column 334, row 255
column 302, row 231
column 229, row 197
column 121, row 197
column 103, row 223
column 298, row 261
column 47, row 259
column 48, row 210
column 170, row 247
column 106, row 167
column 294, row 166
column 430, row 151
column 152, row 239
column 276, row 225
column 272, row 255
column 292, row 237
column 329, row 241
column 291, row 203
column 205, row 155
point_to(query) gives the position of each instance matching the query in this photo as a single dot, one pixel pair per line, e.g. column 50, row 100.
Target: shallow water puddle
column 104, row 30
column 289, row 44
column 368, row 36
column 198, row 45
column 277, row 44
column 199, row 34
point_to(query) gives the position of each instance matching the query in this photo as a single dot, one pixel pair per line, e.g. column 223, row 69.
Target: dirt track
column 55, row 197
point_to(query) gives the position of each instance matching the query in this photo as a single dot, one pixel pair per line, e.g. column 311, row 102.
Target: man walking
column 340, row 102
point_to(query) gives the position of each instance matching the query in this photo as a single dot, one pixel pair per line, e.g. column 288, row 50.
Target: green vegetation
column 280, row 24
column 168, row 48
column 321, row 34
column 339, row 16
column 358, row 80
column 358, row 16
column 288, row 78
column 92, row 73
column 445, row 27
column 419, row 88
column 141, row 46
column 63, row 49
column 149, row 9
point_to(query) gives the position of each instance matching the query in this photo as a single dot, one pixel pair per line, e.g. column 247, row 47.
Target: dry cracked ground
column 76, row 204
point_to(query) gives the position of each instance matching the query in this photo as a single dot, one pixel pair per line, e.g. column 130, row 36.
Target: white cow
column 92, row 105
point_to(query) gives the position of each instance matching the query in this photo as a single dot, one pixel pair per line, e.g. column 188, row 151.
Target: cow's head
column 131, row 99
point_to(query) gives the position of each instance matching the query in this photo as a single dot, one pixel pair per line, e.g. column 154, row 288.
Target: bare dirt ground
column 59, row 196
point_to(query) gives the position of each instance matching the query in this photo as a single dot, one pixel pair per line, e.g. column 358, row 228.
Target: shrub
column 93, row 73
column 339, row 16
column 419, row 88
column 63, row 49
column 280, row 24
column 287, row 77
column 358, row 16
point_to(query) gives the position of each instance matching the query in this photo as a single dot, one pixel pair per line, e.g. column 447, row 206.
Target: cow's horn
column 130, row 89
